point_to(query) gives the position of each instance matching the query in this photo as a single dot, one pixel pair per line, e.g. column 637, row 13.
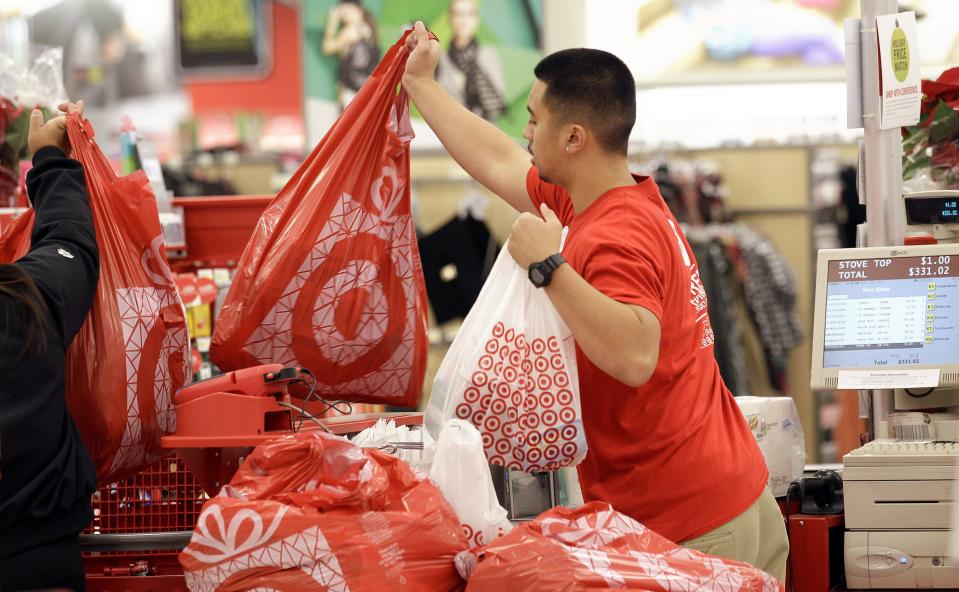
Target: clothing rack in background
column 752, row 306
column 750, row 286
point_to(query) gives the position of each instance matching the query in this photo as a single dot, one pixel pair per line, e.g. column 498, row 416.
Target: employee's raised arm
column 483, row 150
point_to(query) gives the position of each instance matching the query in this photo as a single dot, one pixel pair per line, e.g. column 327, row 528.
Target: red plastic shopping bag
column 596, row 548
column 331, row 279
column 132, row 353
column 15, row 238
column 313, row 512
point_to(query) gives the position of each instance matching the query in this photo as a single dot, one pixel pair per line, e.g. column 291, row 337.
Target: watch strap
column 554, row 261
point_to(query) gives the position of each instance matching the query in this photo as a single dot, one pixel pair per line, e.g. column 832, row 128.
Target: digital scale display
column 932, row 210
column 892, row 312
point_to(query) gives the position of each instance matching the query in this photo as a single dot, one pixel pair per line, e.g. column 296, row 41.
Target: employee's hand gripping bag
column 331, row 279
column 511, row 372
column 132, row 353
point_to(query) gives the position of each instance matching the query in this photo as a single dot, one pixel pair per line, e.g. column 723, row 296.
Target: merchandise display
column 751, row 292
column 456, row 259
column 331, row 279
column 931, row 148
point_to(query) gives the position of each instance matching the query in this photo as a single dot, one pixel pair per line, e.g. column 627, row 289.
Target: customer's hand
column 425, row 53
column 53, row 132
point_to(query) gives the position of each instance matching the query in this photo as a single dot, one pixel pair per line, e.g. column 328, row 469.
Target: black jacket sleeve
column 63, row 258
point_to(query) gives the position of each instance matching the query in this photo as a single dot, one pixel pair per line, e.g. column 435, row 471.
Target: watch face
column 537, row 276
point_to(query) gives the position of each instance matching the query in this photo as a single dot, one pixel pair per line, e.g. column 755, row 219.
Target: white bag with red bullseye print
column 511, row 372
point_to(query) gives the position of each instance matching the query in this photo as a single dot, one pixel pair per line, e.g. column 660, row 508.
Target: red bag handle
column 84, row 147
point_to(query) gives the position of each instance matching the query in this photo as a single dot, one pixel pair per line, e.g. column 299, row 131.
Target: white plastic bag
column 383, row 435
column 38, row 83
column 775, row 424
column 511, row 372
column 460, row 471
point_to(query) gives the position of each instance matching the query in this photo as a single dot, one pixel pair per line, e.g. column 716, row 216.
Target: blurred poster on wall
column 489, row 50
column 119, row 58
column 743, row 41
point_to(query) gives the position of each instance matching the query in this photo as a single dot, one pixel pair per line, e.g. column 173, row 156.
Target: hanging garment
column 770, row 287
column 455, row 265
column 713, row 271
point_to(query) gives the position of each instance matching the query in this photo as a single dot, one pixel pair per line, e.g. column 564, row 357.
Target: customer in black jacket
column 46, row 473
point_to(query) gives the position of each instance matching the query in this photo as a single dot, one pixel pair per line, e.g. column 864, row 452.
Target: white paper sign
column 888, row 379
column 901, row 93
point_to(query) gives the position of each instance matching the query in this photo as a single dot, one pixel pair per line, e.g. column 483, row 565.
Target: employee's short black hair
column 594, row 87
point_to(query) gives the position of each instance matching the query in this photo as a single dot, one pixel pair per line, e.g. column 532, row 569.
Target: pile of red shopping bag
column 597, row 548
column 313, row 512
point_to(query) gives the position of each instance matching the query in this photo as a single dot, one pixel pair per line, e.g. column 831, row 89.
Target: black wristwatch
column 541, row 273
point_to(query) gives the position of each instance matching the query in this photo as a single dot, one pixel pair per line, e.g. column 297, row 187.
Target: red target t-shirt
column 676, row 453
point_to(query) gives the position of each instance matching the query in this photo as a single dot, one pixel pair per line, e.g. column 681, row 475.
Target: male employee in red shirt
column 667, row 442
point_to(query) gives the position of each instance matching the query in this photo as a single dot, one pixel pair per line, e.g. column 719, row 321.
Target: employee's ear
column 575, row 138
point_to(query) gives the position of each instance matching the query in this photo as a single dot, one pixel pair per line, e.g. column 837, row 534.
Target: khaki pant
column 757, row 536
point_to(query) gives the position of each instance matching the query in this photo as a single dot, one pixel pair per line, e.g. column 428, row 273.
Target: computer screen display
column 891, row 311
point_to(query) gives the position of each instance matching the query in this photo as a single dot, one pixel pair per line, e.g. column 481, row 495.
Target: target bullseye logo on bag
column 148, row 339
column 331, row 279
column 355, row 307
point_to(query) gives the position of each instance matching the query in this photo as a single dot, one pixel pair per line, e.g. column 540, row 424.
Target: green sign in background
column 504, row 24
column 899, row 53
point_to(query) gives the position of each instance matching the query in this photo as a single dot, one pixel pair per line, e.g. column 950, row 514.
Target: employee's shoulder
column 634, row 208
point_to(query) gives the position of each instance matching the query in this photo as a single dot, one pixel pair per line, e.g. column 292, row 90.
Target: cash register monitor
column 881, row 308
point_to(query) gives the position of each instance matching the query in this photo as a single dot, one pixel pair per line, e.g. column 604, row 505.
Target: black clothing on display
column 456, row 259
column 47, row 473
column 716, row 273
column 850, row 213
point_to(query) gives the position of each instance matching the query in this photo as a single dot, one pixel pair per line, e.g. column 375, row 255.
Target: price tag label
column 899, row 76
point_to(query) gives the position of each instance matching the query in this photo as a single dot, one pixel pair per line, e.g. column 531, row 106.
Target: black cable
column 921, row 395
column 328, row 405
column 306, row 371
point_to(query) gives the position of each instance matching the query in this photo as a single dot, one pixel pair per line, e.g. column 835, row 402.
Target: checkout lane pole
column 885, row 216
